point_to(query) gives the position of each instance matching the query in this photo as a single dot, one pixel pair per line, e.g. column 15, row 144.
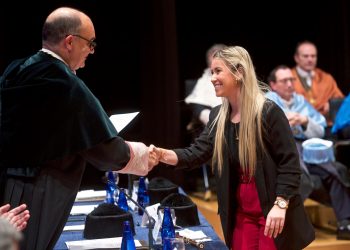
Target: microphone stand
column 151, row 221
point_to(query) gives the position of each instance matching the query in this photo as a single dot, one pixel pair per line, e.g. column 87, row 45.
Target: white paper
column 99, row 243
column 156, row 228
column 194, row 235
column 159, row 220
column 152, row 211
column 121, row 120
column 82, row 210
column 91, row 195
column 74, row 228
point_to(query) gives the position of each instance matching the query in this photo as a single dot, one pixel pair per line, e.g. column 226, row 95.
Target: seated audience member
column 307, row 123
column 316, row 85
column 17, row 216
column 341, row 125
column 9, row 235
column 203, row 98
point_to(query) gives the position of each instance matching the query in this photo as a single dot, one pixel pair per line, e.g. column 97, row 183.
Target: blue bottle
column 128, row 239
column 168, row 230
column 167, row 244
column 122, row 202
column 110, row 194
column 142, row 195
column 112, row 178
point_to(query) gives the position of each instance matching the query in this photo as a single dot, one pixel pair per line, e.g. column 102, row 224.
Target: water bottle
column 168, row 230
column 112, row 181
column 112, row 178
column 128, row 239
column 167, row 244
column 109, row 194
column 122, row 202
column 142, row 195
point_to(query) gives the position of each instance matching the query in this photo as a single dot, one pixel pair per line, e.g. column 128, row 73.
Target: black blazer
column 277, row 174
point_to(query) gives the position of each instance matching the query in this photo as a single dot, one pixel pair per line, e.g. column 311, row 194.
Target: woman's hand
column 155, row 154
column 162, row 155
column 275, row 221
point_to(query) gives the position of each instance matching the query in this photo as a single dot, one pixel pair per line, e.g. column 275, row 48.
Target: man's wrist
column 162, row 157
column 305, row 123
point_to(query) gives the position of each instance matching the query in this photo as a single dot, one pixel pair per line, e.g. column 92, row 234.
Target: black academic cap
column 159, row 188
column 185, row 210
column 106, row 221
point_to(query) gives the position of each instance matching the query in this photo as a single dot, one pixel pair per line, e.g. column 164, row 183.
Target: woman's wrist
column 281, row 202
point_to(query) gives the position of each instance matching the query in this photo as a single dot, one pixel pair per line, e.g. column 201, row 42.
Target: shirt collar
column 304, row 73
column 50, row 52
column 289, row 103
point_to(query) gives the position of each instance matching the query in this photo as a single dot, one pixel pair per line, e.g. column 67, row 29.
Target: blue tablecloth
column 141, row 232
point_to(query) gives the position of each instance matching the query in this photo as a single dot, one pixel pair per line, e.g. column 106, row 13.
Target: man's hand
column 155, row 153
column 297, row 119
column 17, row 216
column 153, row 156
column 324, row 110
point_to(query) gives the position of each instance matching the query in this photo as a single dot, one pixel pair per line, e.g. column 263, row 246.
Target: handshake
column 155, row 155
column 143, row 158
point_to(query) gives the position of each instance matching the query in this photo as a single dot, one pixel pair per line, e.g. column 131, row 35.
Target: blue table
column 141, row 232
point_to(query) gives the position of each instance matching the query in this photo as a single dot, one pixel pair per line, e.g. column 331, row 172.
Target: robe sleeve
column 119, row 155
column 138, row 164
column 113, row 154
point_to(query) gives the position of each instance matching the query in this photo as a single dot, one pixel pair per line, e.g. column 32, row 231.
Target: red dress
column 248, row 233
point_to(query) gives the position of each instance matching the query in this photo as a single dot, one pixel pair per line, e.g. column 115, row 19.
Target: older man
column 52, row 125
column 316, row 85
column 307, row 123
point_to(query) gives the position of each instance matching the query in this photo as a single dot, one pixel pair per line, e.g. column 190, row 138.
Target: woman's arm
column 199, row 152
column 280, row 145
column 282, row 149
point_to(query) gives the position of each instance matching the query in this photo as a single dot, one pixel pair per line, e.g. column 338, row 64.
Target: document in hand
column 120, row 121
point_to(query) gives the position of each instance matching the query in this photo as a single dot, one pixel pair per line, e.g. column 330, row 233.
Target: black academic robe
column 51, row 125
column 277, row 174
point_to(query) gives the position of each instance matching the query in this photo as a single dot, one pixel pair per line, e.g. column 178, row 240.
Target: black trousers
column 339, row 194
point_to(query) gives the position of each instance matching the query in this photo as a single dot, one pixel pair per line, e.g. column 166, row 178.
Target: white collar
column 50, row 52
column 304, row 73
column 289, row 103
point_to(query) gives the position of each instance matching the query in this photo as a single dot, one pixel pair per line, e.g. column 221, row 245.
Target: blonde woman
column 254, row 159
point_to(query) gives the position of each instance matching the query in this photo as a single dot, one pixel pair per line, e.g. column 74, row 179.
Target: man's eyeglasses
column 91, row 43
column 285, row 80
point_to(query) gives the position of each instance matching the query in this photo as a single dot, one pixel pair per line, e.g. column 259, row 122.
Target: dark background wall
column 269, row 30
column 146, row 49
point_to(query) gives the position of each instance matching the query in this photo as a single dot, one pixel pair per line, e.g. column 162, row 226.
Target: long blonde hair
column 251, row 104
